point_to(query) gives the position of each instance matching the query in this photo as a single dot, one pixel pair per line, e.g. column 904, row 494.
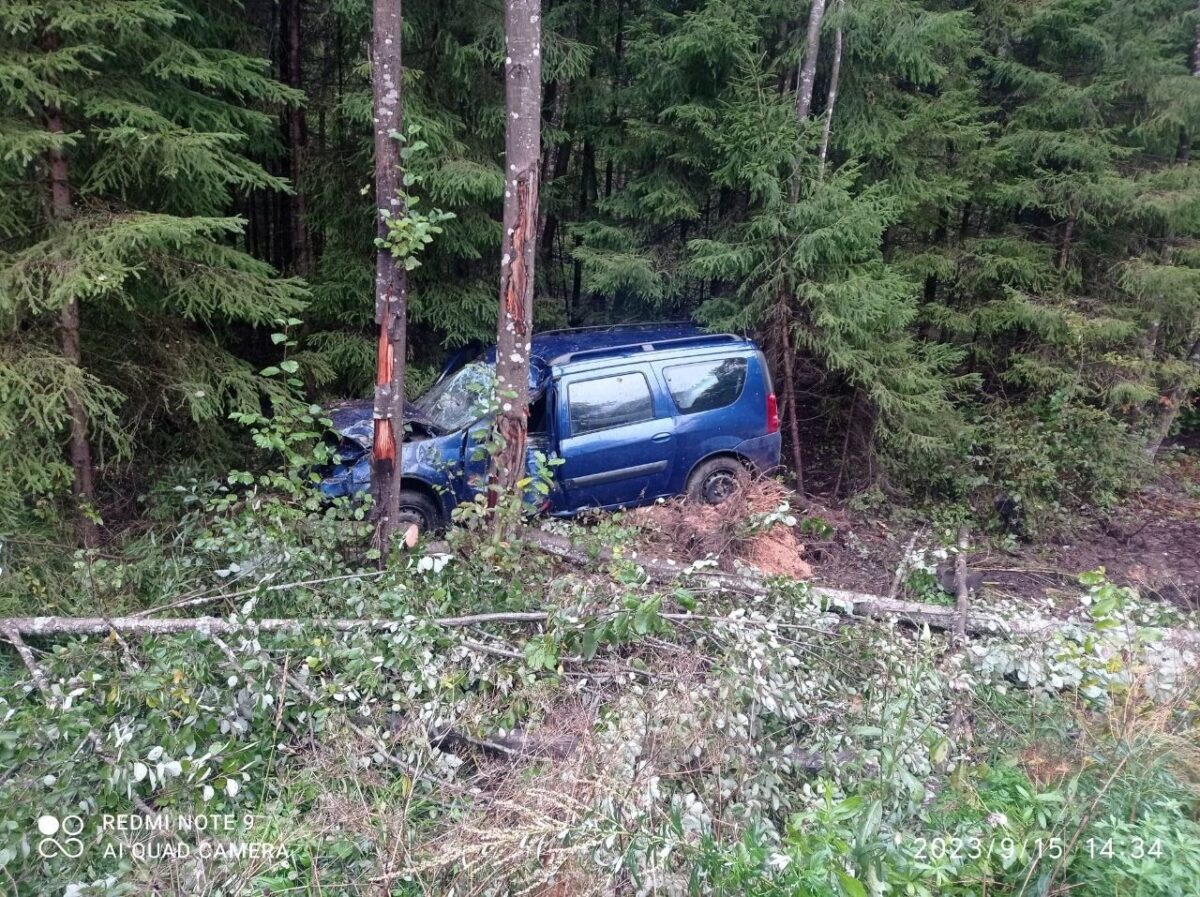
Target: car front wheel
column 417, row 507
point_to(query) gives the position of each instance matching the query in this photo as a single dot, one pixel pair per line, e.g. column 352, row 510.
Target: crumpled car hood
column 353, row 419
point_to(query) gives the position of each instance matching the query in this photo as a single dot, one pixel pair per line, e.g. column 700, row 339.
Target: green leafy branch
column 410, row 231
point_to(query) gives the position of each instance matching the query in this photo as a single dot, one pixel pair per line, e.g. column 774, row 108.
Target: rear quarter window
column 609, row 402
column 706, row 385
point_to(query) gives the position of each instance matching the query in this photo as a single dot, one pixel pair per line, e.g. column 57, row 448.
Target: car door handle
column 660, row 437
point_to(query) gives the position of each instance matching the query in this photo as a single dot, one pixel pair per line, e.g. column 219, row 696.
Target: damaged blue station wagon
column 632, row 413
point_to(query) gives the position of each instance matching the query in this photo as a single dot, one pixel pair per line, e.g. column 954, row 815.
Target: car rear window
column 706, row 385
column 609, row 402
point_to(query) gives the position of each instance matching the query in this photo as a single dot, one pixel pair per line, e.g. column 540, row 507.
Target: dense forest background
column 972, row 260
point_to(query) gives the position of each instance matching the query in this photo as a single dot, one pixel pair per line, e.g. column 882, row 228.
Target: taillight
column 772, row 414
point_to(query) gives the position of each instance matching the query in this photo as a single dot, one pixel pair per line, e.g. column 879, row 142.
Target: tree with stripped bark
column 522, row 160
column 391, row 278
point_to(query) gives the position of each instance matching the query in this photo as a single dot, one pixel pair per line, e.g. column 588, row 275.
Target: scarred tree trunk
column 391, row 281
column 523, row 90
column 83, row 484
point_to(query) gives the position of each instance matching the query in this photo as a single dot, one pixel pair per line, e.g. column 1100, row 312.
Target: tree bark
column 83, row 484
column 831, row 99
column 962, row 589
column 391, row 280
column 805, row 77
column 859, row 604
column 296, row 125
column 1169, row 404
column 554, row 159
column 1064, row 243
column 523, row 91
column 808, row 64
column 787, row 390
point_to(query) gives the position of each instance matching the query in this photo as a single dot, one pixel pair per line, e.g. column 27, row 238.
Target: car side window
column 706, row 385
column 608, row 402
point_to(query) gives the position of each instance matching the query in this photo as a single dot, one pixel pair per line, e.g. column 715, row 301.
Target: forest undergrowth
column 641, row 738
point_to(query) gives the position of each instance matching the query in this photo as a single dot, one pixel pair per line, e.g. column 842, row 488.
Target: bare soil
column 1151, row 542
column 686, row 531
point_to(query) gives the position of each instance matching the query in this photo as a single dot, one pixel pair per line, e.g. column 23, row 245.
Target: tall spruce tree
column 126, row 133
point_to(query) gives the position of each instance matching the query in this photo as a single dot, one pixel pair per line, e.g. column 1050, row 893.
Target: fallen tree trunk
column 857, row 604
column 45, row 626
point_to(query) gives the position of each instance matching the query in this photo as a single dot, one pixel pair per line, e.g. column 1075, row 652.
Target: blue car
column 631, row 413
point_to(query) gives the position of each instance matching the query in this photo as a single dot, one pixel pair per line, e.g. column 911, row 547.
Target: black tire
column 716, row 479
column 417, row 507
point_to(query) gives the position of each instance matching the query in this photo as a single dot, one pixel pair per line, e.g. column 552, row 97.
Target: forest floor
column 1151, row 541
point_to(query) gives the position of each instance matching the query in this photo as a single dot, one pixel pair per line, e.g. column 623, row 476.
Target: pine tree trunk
column 1064, row 243
column 83, row 484
column 788, row 392
column 523, row 90
column 391, row 281
column 805, row 78
column 301, row 247
column 553, row 157
column 808, row 65
column 1169, row 404
column 831, row 99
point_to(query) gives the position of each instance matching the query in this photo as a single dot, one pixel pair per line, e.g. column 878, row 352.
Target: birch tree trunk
column 83, row 483
column 808, row 64
column 831, row 100
column 522, row 156
column 391, row 280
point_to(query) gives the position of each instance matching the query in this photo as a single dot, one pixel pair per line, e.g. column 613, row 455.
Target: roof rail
column 600, row 328
column 701, row 339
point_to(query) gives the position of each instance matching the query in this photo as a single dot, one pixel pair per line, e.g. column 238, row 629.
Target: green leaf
column 591, row 641
column 646, row 616
column 851, row 886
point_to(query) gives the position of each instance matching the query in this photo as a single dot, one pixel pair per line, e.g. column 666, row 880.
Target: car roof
column 551, row 349
column 555, row 344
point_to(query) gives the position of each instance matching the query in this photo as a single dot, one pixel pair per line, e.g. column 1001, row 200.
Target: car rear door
column 616, row 438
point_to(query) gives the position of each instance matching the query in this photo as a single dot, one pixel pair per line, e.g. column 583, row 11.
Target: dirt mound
column 749, row 527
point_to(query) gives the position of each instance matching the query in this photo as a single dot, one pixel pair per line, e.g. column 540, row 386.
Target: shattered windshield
column 460, row 399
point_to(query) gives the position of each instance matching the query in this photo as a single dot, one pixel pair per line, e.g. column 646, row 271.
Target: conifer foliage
column 127, row 130
column 964, row 232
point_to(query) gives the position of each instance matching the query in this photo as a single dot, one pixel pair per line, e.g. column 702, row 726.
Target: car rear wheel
column 715, row 480
column 417, row 507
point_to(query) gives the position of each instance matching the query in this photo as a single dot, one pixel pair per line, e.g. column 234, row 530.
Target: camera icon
column 70, row 846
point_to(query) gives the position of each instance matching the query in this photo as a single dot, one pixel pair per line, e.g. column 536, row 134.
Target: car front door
column 615, row 441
